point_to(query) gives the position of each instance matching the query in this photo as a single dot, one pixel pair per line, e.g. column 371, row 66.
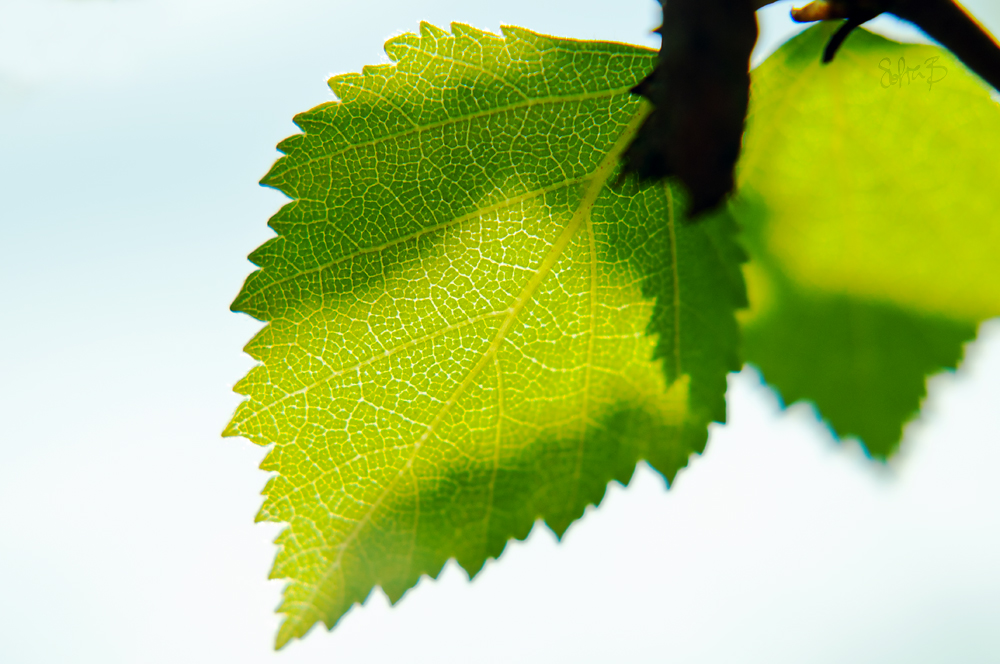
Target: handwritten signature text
column 932, row 72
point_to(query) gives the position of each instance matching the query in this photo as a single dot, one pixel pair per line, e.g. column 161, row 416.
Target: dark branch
column 943, row 20
column 700, row 90
column 701, row 84
column 840, row 35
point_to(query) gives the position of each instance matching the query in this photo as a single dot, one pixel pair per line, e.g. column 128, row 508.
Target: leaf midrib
column 598, row 181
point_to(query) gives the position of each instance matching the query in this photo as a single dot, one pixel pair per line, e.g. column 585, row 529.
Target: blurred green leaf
column 868, row 197
column 468, row 328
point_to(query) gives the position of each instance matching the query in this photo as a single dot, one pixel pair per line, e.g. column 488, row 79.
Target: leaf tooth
column 471, row 32
column 430, row 31
column 347, row 86
column 397, row 47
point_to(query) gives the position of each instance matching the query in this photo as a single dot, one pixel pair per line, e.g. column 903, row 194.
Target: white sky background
column 132, row 136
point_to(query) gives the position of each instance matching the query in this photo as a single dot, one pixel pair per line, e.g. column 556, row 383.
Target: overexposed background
column 132, row 136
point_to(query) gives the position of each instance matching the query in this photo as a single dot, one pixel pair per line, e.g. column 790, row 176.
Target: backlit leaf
column 869, row 199
column 468, row 327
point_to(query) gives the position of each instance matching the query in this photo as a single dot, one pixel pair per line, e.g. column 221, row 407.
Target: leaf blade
column 860, row 201
column 458, row 318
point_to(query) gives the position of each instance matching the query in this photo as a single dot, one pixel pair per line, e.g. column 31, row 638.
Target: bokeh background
column 132, row 137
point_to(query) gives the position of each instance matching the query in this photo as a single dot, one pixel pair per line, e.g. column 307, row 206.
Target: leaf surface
column 468, row 328
column 870, row 208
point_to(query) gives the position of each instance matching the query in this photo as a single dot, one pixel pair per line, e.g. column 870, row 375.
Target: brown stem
column 959, row 32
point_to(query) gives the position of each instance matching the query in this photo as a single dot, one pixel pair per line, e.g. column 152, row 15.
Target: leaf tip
column 284, row 635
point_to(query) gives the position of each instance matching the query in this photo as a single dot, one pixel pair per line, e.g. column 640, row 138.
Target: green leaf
column 468, row 327
column 870, row 209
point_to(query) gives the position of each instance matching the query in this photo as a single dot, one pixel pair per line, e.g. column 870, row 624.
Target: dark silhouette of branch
column 701, row 84
column 944, row 20
column 699, row 89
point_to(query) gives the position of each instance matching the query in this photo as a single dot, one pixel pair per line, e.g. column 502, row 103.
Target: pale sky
column 132, row 137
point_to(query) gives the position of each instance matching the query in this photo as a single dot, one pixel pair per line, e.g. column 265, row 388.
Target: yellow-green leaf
column 469, row 327
column 869, row 199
